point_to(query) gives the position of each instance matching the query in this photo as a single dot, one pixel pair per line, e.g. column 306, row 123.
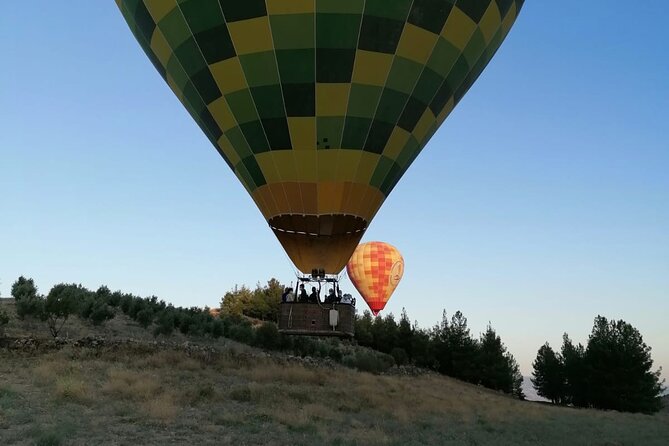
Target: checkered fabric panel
column 320, row 106
column 375, row 269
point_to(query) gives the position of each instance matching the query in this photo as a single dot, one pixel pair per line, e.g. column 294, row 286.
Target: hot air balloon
column 375, row 269
column 319, row 106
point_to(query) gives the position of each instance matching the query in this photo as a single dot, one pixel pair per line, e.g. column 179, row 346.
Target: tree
column 236, row 301
column 405, row 335
column 463, row 349
column 262, row 303
column 516, row 377
column 23, row 288
column 620, row 369
column 165, row 322
column 495, row 366
column 271, row 296
column 363, row 329
column 101, row 312
column 440, row 348
column 548, row 376
column 384, row 333
column 60, row 303
column 575, row 373
column 28, row 302
column 421, row 347
column 145, row 317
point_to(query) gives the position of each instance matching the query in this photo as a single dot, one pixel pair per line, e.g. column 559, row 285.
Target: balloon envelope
column 319, row 106
column 375, row 269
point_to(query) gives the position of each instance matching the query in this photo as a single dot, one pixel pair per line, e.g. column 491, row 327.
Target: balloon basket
column 312, row 319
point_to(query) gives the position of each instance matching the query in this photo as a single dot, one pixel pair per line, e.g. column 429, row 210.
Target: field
column 143, row 392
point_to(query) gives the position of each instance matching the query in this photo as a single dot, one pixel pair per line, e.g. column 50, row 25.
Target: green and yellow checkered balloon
column 319, row 106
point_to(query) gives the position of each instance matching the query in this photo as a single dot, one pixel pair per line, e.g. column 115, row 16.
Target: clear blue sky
column 542, row 202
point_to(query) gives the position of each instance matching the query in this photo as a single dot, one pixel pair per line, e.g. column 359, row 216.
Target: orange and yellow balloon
column 375, row 269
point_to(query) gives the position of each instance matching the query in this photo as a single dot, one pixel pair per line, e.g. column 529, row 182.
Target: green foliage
column 516, row 378
column 4, row 320
column 385, row 333
column 144, row 317
column 548, row 376
column 50, row 438
column 30, row 307
column 495, row 364
column 369, row 361
column 164, row 322
column 28, row 302
column 61, row 302
column 267, row 336
column 614, row 371
column 575, row 373
column 619, row 366
column 405, row 335
column 114, row 299
column 399, row 355
column 101, row 312
column 262, row 303
column 126, row 302
column 217, row 328
column 363, row 329
column 23, row 288
column 242, row 333
column 448, row 348
column 463, row 348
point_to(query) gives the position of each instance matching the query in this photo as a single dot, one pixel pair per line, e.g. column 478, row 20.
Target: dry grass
column 368, row 436
column 173, row 360
column 294, row 417
column 131, row 396
column 162, row 408
column 72, row 388
column 290, row 374
column 131, row 385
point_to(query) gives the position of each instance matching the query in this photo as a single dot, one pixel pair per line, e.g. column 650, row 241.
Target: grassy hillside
column 225, row 393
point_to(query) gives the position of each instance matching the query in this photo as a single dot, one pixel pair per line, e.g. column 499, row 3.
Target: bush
column 400, row 356
column 242, row 333
column 144, row 317
column 369, row 361
column 216, row 328
column 267, row 336
column 4, row 320
column 30, row 306
column 335, row 354
column 164, row 323
column 86, row 305
column 101, row 312
column 305, row 346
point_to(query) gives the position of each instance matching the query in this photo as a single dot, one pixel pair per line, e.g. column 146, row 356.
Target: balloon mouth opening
column 334, row 225
column 318, row 241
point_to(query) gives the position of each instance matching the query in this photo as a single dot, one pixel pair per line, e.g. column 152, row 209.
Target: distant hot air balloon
column 319, row 106
column 375, row 269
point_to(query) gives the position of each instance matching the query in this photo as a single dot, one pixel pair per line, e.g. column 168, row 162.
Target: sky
column 542, row 202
